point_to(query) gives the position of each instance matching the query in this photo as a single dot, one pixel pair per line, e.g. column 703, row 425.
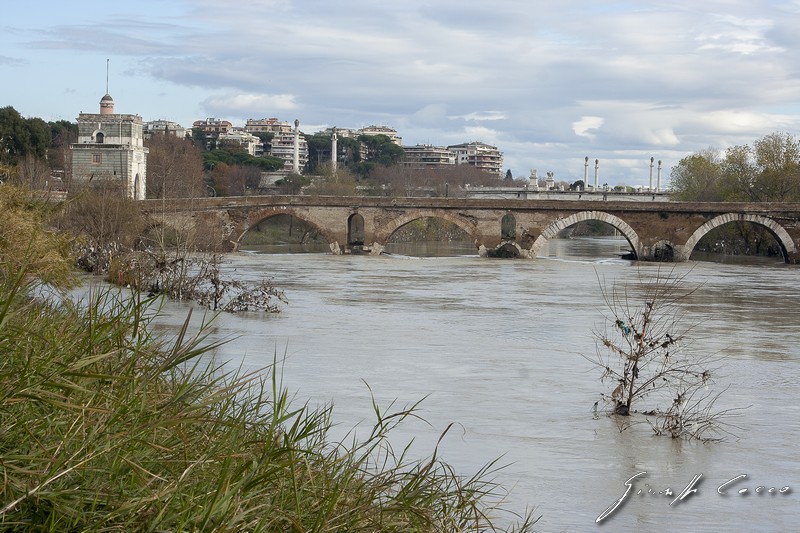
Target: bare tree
column 34, row 173
column 242, row 178
column 104, row 223
column 439, row 181
column 640, row 350
column 333, row 183
column 174, row 168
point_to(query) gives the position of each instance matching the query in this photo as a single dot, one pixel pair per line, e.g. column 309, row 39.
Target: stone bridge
column 655, row 230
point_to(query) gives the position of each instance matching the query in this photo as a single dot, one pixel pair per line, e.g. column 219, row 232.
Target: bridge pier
column 376, row 248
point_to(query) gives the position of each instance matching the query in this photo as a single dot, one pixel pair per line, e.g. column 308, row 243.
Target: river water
column 495, row 347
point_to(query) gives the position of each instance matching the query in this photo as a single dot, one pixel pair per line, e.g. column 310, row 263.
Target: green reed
column 106, row 427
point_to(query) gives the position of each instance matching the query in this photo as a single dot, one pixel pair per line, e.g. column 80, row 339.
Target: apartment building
column 165, row 127
column 382, row 130
column 283, row 148
column 482, row 156
column 211, row 128
column 422, row 156
column 248, row 141
column 267, row 125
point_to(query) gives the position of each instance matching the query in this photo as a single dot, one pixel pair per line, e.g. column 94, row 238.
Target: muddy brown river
column 494, row 347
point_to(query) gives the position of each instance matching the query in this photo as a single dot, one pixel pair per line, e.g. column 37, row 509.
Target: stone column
column 586, row 173
column 296, row 156
column 658, row 183
column 334, row 149
column 651, row 176
column 596, row 172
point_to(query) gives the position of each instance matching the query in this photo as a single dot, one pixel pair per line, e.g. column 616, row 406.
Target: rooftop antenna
column 107, row 76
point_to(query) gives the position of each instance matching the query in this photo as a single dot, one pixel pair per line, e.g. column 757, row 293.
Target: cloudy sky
column 547, row 82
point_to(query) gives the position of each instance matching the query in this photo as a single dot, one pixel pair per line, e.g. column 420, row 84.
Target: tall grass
column 105, row 427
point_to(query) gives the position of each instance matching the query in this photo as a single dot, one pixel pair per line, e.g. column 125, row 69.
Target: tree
column 232, row 153
column 34, row 173
column 339, row 183
column 639, row 350
column 174, row 168
column 778, row 163
column 769, row 171
column 696, row 177
column 199, row 139
column 738, row 175
column 381, row 150
column 26, row 245
column 319, row 149
column 292, row 183
column 219, row 180
column 398, row 180
column 104, row 224
column 242, row 178
column 39, row 137
column 15, row 140
column 62, row 133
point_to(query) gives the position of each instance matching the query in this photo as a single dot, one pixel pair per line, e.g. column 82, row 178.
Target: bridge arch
column 355, row 230
column 552, row 229
column 383, row 235
column 784, row 239
column 508, row 227
column 260, row 216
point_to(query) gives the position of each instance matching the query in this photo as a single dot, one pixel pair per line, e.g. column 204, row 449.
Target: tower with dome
column 110, row 151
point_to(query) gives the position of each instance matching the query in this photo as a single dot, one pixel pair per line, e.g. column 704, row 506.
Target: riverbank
column 108, row 426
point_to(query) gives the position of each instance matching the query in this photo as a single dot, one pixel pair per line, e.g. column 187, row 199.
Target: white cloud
column 249, row 105
column 480, row 116
column 617, row 81
column 730, row 33
column 482, row 134
column 585, row 125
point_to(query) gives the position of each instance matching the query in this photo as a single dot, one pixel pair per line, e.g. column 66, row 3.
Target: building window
column 97, row 159
column 100, row 137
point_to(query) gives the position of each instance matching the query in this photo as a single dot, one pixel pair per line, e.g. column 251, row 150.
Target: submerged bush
column 641, row 351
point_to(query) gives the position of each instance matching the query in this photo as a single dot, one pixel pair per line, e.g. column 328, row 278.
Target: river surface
column 495, row 347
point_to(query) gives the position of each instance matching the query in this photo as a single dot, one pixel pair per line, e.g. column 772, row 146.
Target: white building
column 482, row 156
column 211, row 128
column 267, row 125
column 167, row 127
column 110, row 150
column 248, row 141
column 283, row 148
column 427, row 156
column 382, row 130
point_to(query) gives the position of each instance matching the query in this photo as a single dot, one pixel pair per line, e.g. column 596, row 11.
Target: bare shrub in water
column 641, row 350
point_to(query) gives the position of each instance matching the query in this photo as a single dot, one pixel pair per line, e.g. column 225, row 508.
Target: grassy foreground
column 104, row 427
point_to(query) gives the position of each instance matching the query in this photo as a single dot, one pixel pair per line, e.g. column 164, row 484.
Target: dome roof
column 107, row 98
